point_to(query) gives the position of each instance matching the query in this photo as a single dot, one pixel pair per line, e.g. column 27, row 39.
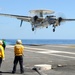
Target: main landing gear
column 32, row 29
column 53, row 28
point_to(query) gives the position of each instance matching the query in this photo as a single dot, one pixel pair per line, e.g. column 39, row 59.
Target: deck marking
column 48, row 51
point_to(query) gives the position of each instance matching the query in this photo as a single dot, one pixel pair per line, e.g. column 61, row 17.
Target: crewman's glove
column 3, row 59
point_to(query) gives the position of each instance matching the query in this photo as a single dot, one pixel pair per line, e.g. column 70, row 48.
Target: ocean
column 41, row 41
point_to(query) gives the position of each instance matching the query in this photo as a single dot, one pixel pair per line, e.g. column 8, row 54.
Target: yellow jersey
column 2, row 55
column 18, row 49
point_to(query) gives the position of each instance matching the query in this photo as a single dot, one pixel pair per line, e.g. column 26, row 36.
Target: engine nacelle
column 34, row 19
column 60, row 20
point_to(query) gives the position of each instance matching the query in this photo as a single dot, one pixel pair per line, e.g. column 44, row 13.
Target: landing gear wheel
column 47, row 27
column 32, row 29
column 53, row 30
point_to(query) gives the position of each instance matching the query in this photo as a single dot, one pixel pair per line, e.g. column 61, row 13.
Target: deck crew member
column 4, row 44
column 18, row 52
column 2, row 55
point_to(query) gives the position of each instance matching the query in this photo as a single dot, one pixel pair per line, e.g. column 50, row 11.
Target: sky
column 10, row 27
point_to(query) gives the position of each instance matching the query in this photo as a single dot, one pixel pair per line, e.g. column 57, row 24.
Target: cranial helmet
column 19, row 42
column 1, row 42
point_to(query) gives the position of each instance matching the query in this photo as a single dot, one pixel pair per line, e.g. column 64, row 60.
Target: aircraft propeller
column 60, row 18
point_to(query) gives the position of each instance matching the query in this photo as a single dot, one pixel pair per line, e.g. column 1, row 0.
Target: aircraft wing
column 68, row 19
column 24, row 18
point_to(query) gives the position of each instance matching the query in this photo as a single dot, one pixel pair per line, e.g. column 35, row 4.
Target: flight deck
column 53, row 60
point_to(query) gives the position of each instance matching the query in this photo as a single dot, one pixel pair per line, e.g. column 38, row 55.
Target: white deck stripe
column 52, row 54
column 48, row 51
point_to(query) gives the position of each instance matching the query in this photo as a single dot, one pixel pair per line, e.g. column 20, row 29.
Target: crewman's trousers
column 20, row 60
column 0, row 61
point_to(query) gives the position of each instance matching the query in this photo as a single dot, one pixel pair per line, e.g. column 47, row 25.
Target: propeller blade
column 21, row 23
column 60, row 19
